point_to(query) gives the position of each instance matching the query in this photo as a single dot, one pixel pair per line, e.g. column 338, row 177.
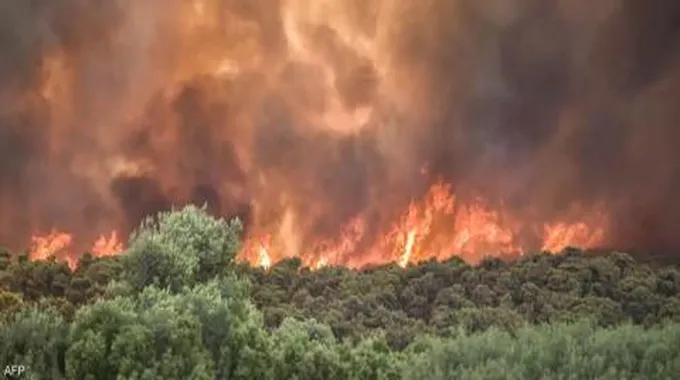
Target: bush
column 36, row 339
column 178, row 248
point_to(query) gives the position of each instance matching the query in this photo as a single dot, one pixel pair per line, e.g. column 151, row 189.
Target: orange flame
column 59, row 245
column 107, row 246
column 52, row 244
column 265, row 260
column 559, row 235
column 440, row 226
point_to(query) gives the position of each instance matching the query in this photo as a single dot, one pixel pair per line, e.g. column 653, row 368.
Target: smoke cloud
column 299, row 115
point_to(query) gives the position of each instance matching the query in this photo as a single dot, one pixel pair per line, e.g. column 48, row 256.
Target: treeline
column 177, row 306
column 436, row 297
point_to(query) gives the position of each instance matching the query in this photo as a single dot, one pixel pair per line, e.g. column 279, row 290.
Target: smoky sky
column 537, row 104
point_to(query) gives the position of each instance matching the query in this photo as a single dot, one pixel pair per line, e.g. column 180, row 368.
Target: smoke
column 299, row 115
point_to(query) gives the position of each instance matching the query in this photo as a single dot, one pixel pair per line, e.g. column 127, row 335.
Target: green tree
column 372, row 359
column 305, row 350
column 38, row 279
column 232, row 329
column 177, row 248
column 559, row 351
column 36, row 339
column 147, row 338
column 5, row 258
column 10, row 303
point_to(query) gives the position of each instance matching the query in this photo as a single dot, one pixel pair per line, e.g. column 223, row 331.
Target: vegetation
column 177, row 306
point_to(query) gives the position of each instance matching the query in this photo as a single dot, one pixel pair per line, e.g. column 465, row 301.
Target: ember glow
column 344, row 132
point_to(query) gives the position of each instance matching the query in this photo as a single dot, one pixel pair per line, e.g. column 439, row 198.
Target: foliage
column 149, row 337
column 176, row 249
column 37, row 339
column 560, row 351
column 434, row 297
column 177, row 306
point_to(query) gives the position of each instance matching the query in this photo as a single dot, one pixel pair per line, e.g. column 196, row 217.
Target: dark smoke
column 575, row 108
column 534, row 103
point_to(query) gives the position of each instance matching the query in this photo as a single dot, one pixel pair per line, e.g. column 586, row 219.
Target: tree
column 37, row 279
column 305, row 350
column 36, row 339
column 231, row 328
column 10, row 303
column 177, row 248
column 5, row 258
column 146, row 338
column 372, row 359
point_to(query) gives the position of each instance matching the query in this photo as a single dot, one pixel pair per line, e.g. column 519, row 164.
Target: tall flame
column 52, row 244
column 58, row 245
column 440, row 227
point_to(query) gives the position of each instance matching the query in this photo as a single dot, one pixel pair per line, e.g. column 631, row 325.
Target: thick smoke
column 306, row 113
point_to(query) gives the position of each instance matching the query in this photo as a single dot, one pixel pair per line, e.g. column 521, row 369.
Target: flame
column 408, row 248
column 52, row 244
column 437, row 227
column 323, row 262
column 440, row 227
column 263, row 255
column 325, row 251
column 560, row 235
column 59, row 245
column 107, row 245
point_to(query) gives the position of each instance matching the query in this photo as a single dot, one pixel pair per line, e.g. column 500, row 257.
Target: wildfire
column 263, row 255
column 107, row 245
column 59, row 245
column 307, row 117
column 439, row 227
column 559, row 235
column 52, row 244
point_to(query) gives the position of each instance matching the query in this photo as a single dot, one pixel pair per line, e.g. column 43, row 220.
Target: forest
column 178, row 305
